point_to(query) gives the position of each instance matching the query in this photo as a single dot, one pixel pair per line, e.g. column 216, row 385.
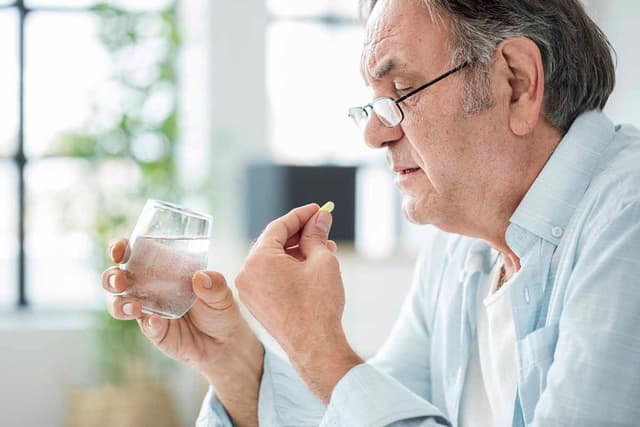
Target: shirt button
column 557, row 232
column 527, row 298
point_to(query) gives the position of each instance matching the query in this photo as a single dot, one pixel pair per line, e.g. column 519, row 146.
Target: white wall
column 36, row 365
column 43, row 357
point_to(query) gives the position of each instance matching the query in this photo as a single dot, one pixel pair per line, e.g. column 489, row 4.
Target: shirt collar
column 549, row 204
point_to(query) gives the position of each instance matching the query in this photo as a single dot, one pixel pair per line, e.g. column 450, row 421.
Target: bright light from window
column 128, row 4
column 8, row 81
column 60, row 269
column 345, row 8
column 313, row 77
column 65, row 64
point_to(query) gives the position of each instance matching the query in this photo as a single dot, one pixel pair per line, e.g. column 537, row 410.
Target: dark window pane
column 61, row 272
column 8, row 81
column 313, row 77
column 64, row 65
column 8, row 234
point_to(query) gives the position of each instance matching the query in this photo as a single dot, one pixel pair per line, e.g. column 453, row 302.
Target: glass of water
column 168, row 245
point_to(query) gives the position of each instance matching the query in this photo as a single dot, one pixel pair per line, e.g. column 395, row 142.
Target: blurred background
column 235, row 108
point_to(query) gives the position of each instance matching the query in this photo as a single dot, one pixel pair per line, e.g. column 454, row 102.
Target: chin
column 415, row 212
column 427, row 211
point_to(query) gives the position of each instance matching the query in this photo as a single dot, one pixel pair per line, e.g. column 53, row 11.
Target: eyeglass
column 388, row 109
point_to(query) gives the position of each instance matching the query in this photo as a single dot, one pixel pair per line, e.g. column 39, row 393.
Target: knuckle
column 270, row 226
column 241, row 281
column 328, row 258
column 115, row 308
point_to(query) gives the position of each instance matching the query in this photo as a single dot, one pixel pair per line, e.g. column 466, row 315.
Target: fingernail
column 204, row 280
column 127, row 309
column 323, row 221
column 149, row 324
column 110, row 250
column 112, row 281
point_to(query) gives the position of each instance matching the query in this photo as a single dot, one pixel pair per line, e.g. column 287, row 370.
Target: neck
column 516, row 169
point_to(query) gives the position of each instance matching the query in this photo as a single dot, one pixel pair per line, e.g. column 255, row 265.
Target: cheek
column 434, row 150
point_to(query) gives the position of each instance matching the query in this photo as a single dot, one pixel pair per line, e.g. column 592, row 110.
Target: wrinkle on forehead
column 391, row 27
column 378, row 35
column 389, row 20
column 375, row 62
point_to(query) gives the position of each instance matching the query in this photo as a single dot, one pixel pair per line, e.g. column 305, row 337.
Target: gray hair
column 577, row 57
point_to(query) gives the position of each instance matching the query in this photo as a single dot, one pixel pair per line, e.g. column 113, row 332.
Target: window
column 313, row 76
column 8, row 81
column 46, row 248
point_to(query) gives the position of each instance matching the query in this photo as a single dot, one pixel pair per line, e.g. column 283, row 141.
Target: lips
column 408, row 171
column 405, row 174
column 405, row 169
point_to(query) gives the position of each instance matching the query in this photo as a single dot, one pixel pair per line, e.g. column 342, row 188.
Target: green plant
column 137, row 142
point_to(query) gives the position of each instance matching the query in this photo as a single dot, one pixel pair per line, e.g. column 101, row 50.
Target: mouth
column 404, row 174
column 408, row 171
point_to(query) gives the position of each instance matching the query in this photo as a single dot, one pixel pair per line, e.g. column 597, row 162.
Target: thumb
column 211, row 287
column 315, row 233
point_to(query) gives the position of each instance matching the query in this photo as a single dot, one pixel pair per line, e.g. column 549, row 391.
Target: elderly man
column 524, row 306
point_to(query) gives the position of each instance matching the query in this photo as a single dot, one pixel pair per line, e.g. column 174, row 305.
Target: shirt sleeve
column 405, row 355
column 284, row 399
column 594, row 378
column 367, row 397
column 212, row 413
column 393, row 388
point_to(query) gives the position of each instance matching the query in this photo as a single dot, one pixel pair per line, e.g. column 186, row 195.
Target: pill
column 328, row 207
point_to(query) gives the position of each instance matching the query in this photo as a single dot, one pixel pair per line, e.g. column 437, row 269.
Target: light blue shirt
column 575, row 303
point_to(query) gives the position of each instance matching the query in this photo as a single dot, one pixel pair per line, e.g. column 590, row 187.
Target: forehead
column 400, row 36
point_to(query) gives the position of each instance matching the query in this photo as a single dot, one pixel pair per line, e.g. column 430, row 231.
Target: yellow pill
column 328, row 207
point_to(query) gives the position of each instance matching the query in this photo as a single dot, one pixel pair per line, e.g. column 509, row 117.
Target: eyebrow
column 384, row 69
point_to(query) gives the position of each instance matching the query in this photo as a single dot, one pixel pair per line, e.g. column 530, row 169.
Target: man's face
column 439, row 153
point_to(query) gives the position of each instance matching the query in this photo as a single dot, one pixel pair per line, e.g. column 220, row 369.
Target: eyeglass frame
column 405, row 96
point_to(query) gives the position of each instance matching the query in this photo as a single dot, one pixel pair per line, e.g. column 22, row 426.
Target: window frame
column 19, row 158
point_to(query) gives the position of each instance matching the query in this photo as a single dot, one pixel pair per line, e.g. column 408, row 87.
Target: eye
column 402, row 90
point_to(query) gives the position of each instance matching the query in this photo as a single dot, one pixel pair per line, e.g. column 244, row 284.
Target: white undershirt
column 490, row 387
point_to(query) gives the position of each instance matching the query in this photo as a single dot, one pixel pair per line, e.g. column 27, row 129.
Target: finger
column 333, row 247
column 294, row 251
column 154, row 327
column 119, row 251
column 125, row 308
column 115, row 280
column 211, row 287
column 293, row 240
column 282, row 229
column 315, row 234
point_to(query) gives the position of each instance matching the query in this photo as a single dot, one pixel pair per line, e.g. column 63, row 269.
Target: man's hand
column 212, row 337
column 291, row 283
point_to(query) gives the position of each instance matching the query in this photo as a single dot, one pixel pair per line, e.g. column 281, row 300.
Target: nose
column 377, row 135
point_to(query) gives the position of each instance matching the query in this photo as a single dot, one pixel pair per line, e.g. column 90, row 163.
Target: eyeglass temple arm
column 432, row 82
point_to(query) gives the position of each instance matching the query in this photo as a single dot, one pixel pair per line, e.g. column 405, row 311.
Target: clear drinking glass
column 168, row 245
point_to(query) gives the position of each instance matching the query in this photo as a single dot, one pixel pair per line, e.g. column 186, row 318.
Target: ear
column 525, row 81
